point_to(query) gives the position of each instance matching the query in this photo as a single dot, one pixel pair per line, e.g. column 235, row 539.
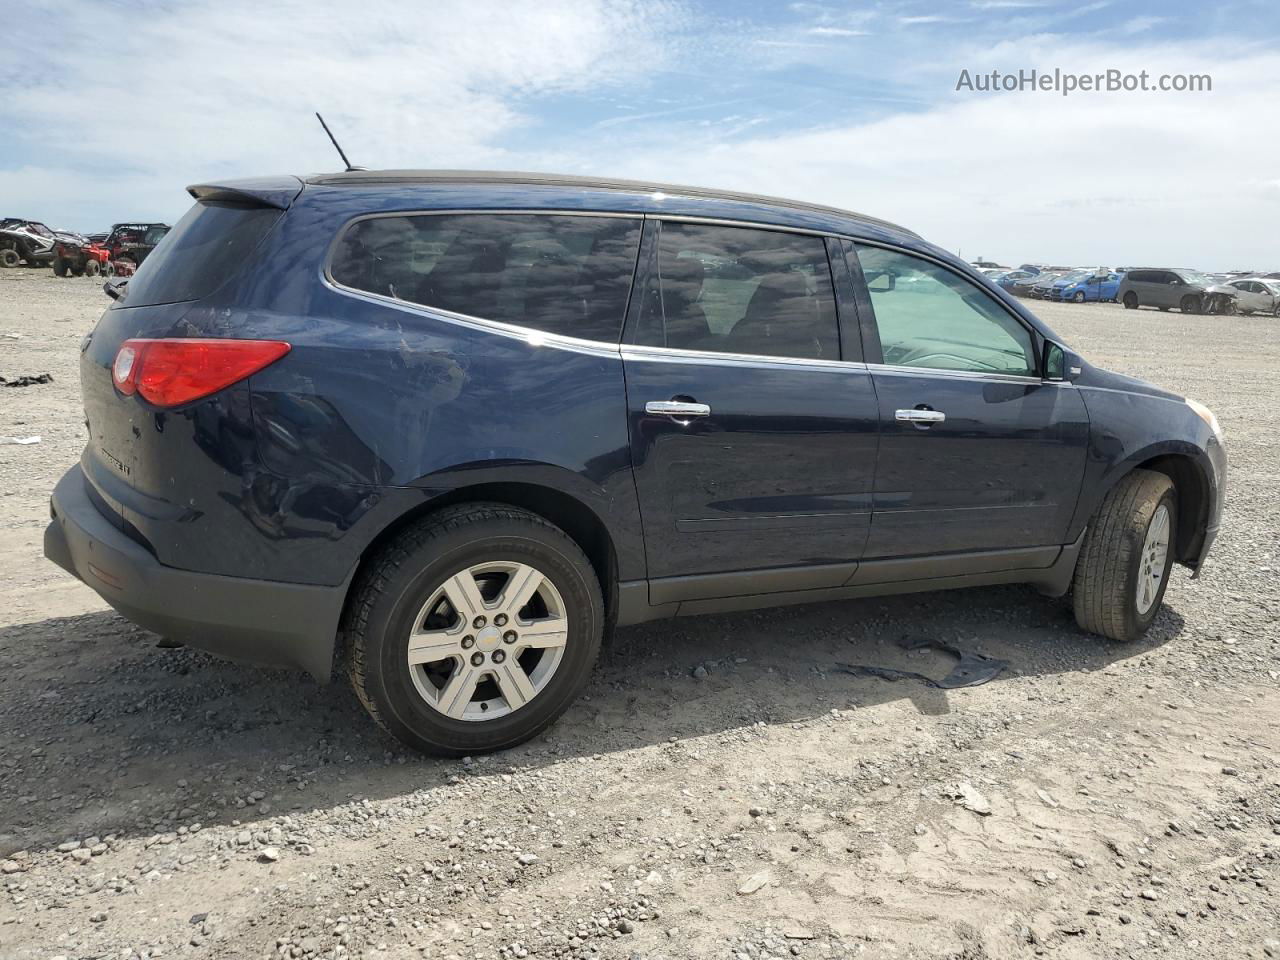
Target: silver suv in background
column 1165, row 289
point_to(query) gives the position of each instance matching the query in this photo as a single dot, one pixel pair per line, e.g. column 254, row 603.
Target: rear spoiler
column 278, row 192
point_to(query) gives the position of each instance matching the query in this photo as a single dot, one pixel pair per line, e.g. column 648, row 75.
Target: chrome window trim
column 636, row 351
column 1024, row 379
column 535, row 337
column 528, row 335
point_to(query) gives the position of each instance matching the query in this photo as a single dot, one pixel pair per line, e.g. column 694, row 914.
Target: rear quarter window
column 197, row 256
column 567, row 275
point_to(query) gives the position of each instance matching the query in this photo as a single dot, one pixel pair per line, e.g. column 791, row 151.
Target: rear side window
column 738, row 290
column 566, row 275
column 205, row 248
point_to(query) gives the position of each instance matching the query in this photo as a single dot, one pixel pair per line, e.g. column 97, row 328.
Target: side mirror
column 114, row 288
column 1058, row 363
column 882, row 283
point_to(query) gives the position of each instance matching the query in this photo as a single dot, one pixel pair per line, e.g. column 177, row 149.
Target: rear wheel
column 61, row 267
column 108, row 269
column 1131, row 301
column 9, row 258
column 1127, row 554
column 1190, row 304
column 474, row 629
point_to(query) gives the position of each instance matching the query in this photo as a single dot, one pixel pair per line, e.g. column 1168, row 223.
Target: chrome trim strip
column 530, row 336
column 958, row 374
column 746, row 224
column 635, row 351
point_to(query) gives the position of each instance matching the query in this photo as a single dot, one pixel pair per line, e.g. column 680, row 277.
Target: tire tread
column 1101, row 585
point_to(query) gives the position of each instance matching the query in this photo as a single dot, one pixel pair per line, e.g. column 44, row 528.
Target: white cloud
column 1090, row 179
column 227, row 87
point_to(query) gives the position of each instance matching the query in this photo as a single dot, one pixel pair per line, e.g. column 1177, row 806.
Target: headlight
column 1205, row 414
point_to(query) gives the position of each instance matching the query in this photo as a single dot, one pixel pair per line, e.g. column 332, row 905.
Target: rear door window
column 568, row 275
column 740, row 290
column 207, row 246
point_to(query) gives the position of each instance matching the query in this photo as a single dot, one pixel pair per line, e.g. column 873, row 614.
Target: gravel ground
column 722, row 789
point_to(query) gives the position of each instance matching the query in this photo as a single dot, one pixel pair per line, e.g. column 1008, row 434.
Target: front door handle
column 679, row 409
column 920, row 416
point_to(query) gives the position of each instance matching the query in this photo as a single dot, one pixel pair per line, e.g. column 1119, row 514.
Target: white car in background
column 1257, row 295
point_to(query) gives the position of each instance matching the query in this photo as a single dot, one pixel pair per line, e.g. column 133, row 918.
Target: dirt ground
column 1095, row 800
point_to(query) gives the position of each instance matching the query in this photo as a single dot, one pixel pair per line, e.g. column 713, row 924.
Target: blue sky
column 116, row 106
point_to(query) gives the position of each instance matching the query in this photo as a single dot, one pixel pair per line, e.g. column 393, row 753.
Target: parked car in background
column 1092, row 287
column 1165, row 289
column 449, row 428
column 1042, row 289
column 1025, row 287
column 1257, row 295
column 1009, row 278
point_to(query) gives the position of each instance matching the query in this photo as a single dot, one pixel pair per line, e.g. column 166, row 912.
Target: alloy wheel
column 1152, row 562
column 488, row 640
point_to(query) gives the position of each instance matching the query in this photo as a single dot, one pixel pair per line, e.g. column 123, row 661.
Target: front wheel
column 91, row 268
column 1190, row 304
column 474, row 629
column 61, row 267
column 1078, row 297
column 1126, row 557
column 9, row 258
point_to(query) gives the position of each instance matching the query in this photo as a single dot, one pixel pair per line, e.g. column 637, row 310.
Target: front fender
column 1131, row 429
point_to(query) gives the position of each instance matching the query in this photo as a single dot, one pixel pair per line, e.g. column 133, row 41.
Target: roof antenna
column 334, row 141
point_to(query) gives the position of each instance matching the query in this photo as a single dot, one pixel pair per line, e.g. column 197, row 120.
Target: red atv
column 81, row 258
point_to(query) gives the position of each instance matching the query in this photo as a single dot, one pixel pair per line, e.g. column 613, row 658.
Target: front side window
column 566, row 275
column 740, row 290
column 929, row 317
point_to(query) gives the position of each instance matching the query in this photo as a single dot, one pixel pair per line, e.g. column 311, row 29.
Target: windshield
column 1194, row 276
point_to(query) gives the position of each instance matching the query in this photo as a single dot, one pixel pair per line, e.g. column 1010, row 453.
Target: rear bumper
column 264, row 621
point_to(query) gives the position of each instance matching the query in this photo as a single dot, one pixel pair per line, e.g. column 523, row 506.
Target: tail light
column 169, row 373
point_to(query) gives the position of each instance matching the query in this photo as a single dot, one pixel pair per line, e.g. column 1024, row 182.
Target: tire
column 1131, row 301
column 108, row 269
column 1164, row 309
column 92, row 268
column 1078, row 297
column 60, row 267
column 1275, row 312
column 9, row 258
column 414, row 571
column 1190, row 304
column 1114, row 557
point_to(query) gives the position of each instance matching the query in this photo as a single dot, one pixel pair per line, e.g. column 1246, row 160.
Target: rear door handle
column 679, row 409
column 920, row 416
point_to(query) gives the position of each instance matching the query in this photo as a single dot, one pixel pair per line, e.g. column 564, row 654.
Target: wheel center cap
column 490, row 638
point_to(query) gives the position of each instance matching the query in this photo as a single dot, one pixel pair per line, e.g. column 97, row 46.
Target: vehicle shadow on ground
column 102, row 732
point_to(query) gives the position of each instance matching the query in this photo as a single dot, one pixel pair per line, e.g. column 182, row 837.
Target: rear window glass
column 194, row 258
column 567, row 275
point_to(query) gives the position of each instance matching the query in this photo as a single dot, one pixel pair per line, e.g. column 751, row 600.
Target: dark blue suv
column 443, row 431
